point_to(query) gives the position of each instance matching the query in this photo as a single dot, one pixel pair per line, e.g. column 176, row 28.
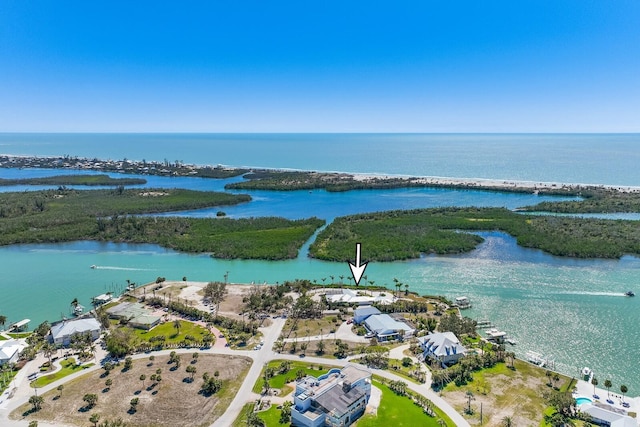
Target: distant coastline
column 288, row 179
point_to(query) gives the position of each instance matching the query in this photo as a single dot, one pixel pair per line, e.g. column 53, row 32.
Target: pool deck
column 585, row 389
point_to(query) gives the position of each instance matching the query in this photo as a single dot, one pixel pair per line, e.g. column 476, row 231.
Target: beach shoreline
column 182, row 169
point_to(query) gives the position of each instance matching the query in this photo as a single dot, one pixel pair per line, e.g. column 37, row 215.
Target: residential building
column 604, row 417
column 349, row 296
column 335, row 399
column 386, row 328
column 10, row 351
column 136, row 314
column 63, row 332
column 362, row 313
column 444, row 347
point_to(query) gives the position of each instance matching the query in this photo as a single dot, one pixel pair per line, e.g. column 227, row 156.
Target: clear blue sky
column 326, row 66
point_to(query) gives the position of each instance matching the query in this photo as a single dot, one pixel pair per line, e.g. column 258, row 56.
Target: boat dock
column 540, row 360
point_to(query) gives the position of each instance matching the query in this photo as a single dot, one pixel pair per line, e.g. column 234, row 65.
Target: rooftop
column 75, row 326
column 383, row 323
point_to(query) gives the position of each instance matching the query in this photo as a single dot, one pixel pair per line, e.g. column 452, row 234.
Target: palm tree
column 406, row 289
column 507, row 422
column 607, row 384
column 3, row 320
column 594, row 381
column 48, row 349
column 94, row 419
column 623, row 390
column 37, row 402
column 142, row 378
column 177, row 325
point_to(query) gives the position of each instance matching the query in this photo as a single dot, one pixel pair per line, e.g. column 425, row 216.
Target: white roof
column 21, row 323
column 616, row 420
column 383, row 324
column 9, row 347
column 365, row 311
column 442, row 344
column 76, row 326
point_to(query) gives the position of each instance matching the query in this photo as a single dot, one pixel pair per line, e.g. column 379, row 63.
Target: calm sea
column 597, row 159
column 572, row 309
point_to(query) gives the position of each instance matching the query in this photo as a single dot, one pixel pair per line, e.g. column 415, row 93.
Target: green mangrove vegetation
column 267, row 238
column 89, row 180
column 399, row 235
column 64, row 215
column 275, row 180
column 594, row 201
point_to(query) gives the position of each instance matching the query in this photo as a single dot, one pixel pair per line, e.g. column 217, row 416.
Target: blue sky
column 343, row 66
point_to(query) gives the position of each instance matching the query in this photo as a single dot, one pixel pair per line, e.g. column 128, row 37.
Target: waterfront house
column 349, row 296
column 362, row 313
column 386, row 328
column 604, row 417
column 337, row 398
column 444, row 347
column 10, row 351
column 136, row 315
column 63, row 332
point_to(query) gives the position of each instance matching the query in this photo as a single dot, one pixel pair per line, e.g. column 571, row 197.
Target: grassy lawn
column 278, row 381
column 241, row 421
column 394, row 410
column 310, row 327
column 504, row 392
column 19, row 335
column 170, row 332
column 399, row 411
column 329, row 348
column 395, row 366
column 6, row 378
column 271, row 416
column 2, row 338
column 68, row 367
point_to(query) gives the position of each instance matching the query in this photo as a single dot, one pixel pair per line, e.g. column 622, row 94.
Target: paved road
column 260, row 358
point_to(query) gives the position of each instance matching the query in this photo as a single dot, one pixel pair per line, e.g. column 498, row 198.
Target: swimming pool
column 583, row 400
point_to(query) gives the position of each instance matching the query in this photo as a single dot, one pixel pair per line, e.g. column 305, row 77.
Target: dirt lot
column 172, row 402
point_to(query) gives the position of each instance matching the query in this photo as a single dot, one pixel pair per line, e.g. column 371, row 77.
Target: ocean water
column 573, row 158
column 572, row 309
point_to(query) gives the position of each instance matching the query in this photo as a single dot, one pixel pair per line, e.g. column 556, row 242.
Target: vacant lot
column 504, row 392
column 172, row 402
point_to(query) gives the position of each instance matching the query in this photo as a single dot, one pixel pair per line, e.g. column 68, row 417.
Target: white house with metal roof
column 61, row 333
column 386, row 328
column 10, row 350
column 360, row 314
column 442, row 346
column 602, row 416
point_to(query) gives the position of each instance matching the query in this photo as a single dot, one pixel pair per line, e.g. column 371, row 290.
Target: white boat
column 93, row 266
column 78, row 309
column 511, row 341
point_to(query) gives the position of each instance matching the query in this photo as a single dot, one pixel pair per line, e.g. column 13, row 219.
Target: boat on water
column 93, row 266
column 629, row 294
column 78, row 309
column 511, row 341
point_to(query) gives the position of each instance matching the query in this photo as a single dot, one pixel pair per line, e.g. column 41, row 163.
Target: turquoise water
column 572, row 309
column 583, row 400
column 576, row 158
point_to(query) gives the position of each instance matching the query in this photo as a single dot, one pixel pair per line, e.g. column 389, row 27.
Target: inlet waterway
column 569, row 308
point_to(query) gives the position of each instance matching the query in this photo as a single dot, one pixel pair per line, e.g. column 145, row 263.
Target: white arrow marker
column 357, row 270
